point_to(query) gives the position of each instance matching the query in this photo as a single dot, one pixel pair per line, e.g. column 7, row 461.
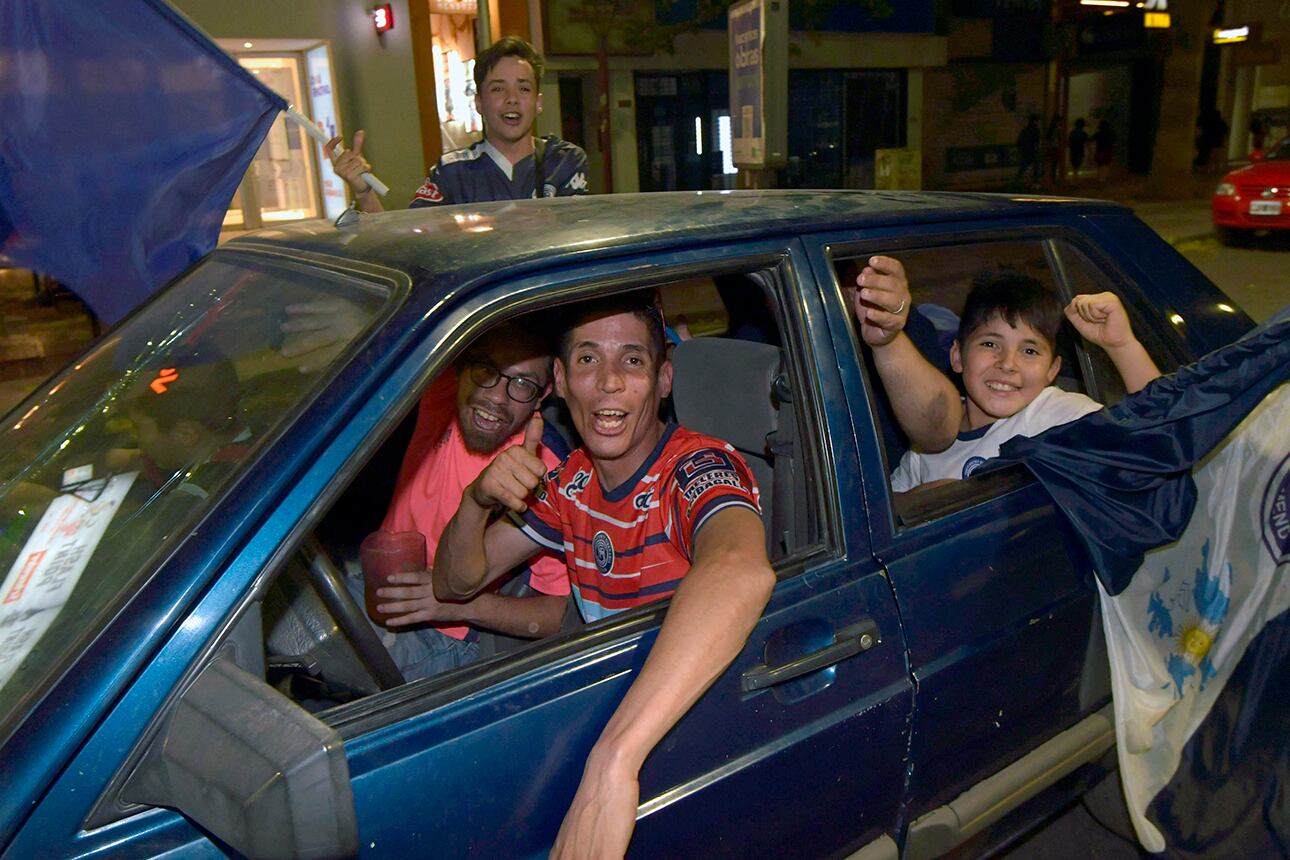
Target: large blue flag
column 1181, row 495
column 125, row 135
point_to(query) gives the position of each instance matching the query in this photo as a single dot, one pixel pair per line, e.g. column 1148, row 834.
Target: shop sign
column 322, row 107
column 759, row 82
column 454, row 7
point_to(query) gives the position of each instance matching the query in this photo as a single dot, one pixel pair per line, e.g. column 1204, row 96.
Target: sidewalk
column 1176, row 220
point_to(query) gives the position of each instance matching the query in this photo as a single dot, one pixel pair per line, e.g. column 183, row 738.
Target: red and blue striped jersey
column 633, row 544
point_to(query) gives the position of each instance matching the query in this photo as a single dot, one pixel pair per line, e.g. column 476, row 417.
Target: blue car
column 185, row 673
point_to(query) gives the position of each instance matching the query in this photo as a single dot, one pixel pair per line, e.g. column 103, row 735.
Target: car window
column 740, row 389
column 112, row 462
column 940, row 278
column 1082, row 275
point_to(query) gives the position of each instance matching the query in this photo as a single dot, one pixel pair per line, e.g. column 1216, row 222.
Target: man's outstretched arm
column 412, row 601
column 926, row 404
column 712, row 613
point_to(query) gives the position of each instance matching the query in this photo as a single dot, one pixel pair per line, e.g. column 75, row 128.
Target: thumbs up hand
column 513, row 474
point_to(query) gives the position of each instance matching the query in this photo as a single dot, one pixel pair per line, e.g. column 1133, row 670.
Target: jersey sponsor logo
column 972, row 464
column 710, row 479
column 577, row 182
column 603, row 550
column 429, row 192
column 642, row 500
column 691, row 468
column 576, row 484
column 1276, row 513
column 703, row 470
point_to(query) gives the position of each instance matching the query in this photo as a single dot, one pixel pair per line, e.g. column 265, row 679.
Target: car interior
column 731, row 380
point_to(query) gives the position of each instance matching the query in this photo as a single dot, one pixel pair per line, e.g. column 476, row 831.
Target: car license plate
column 1265, row 207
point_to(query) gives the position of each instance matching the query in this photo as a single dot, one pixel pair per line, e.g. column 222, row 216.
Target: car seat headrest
column 724, row 388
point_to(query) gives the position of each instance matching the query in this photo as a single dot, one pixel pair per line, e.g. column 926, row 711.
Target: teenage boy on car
column 643, row 510
column 508, row 164
column 1006, row 353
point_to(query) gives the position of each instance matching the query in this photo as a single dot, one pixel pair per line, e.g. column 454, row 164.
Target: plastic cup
column 383, row 553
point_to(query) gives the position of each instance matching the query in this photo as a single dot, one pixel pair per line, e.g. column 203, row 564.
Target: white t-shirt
column 973, row 447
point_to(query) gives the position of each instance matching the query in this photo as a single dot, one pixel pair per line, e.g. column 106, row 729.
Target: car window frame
column 938, row 503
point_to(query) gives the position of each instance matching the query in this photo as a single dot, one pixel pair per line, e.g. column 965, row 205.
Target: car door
column 795, row 748
column 993, row 588
column 494, row 754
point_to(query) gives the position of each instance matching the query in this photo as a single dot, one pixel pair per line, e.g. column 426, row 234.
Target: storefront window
column 289, row 178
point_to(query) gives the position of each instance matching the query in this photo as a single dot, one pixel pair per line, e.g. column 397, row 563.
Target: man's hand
column 600, row 821
column 415, row 601
column 882, row 300
column 349, row 164
column 1101, row 319
column 316, row 332
column 513, row 474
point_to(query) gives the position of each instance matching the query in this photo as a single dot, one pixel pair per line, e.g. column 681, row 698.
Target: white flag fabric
column 1180, row 627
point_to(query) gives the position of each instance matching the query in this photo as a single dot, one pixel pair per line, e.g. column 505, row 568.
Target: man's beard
column 480, row 441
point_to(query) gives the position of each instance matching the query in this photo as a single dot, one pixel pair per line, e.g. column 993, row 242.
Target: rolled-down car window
column 110, row 463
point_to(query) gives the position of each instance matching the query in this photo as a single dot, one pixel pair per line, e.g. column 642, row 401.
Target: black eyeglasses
column 521, row 389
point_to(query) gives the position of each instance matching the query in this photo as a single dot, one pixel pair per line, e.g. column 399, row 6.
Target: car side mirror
column 251, row 767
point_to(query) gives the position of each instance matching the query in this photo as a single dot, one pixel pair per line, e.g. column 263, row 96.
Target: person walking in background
column 1103, row 149
column 1258, row 131
column 1053, row 149
column 1211, row 132
column 1077, row 140
column 1028, row 150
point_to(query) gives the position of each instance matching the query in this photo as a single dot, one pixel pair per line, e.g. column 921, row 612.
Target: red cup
column 383, row 553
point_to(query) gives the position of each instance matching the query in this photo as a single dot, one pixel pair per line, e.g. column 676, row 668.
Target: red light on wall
column 383, row 18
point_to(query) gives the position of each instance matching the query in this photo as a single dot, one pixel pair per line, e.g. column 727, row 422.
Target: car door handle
column 848, row 642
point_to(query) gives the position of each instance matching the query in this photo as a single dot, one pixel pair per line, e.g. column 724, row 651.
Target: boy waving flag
column 1181, row 494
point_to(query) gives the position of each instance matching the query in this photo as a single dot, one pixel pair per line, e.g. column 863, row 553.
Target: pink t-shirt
column 437, row 468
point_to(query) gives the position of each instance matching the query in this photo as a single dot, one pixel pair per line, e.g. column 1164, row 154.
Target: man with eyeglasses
column 465, row 417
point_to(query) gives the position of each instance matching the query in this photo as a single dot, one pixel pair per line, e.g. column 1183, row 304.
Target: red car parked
column 1254, row 197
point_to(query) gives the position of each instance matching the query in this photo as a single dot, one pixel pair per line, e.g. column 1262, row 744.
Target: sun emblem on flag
column 1192, row 614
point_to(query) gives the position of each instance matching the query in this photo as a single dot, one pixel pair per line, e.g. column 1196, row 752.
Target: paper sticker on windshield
column 46, row 571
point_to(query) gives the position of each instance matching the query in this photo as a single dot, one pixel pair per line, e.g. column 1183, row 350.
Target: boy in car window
column 643, row 510
column 1006, row 353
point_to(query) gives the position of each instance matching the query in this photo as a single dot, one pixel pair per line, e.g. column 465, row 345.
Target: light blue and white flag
column 1181, row 495
column 1178, row 630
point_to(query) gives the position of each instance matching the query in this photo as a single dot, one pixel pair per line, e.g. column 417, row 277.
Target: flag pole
column 305, row 122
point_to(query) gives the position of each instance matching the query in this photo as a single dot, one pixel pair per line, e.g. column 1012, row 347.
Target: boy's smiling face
column 1004, row 368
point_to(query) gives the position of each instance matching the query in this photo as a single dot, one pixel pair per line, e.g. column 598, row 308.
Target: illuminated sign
column 1157, row 20
column 1231, row 35
column 454, row 7
column 1155, row 5
column 383, row 18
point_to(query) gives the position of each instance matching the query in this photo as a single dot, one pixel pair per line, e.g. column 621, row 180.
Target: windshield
column 1280, row 152
column 104, row 469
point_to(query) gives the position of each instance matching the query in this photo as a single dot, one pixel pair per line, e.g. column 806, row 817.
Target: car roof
column 454, row 245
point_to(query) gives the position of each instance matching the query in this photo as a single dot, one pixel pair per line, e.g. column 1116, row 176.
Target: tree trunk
column 606, row 138
column 1174, row 148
